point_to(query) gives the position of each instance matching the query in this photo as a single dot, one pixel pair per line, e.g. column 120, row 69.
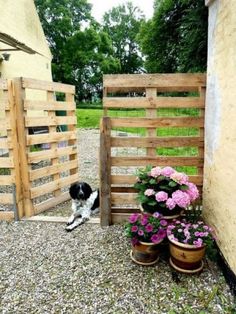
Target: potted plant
column 164, row 190
column 188, row 243
column 146, row 233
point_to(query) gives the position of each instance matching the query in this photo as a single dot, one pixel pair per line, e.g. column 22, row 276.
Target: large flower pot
column 145, row 253
column 186, row 258
column 169, row 217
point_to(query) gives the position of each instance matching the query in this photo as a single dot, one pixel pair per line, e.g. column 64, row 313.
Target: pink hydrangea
column 167, row 171
column 155, row 172
column 182, row 199
column 161, row 196
column 149, row 192
column 192, row 191
column 170, row 203
column 179, row 177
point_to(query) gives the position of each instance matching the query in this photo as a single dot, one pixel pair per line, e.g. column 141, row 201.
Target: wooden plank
column 6, row 180
column 105, row 170
column 4, row 124
column 128, row 210
column 22, row 147
column 6, row 215
column 5, row 143
column 50, row 137
column 6, row 198
column 39, row 208
column 123, row 199
column 178, row 141
column 117, row 218
column 162, row 89
column 160, row 161
column 154, row 80
column 51, row 153
column 51, row 120
column 46, row 105
column 52, row 186
column 4, row 105
column 47, row 86
column 128, row 179
column 158, row 122
column 57, row 219
column 6, row 162
column 153, row 102
column 50, row 170
column 123, row 189
column 3, row 84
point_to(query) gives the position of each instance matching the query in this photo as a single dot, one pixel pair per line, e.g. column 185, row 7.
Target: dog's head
column 80, row 191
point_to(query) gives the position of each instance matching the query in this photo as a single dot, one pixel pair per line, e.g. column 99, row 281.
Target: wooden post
column 72, row 113
column 23, row 149
column 105, row 171
column 151, row 113
column 14, row 151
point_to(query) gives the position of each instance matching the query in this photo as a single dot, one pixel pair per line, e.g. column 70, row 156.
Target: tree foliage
column 122, row 24
column 175, row 39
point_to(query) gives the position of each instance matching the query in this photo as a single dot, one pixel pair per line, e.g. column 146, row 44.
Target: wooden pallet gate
column 149, row 92
column 48, row 159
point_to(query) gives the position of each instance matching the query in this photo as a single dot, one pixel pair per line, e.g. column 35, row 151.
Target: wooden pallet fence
column 48, row 154
column 11, row 193
column 154, row 94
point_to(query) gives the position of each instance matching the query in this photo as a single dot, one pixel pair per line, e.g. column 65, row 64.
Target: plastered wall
column 219, row 194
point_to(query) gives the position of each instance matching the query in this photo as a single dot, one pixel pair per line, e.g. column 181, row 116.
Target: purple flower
column 144, row 221
column 205, row 227
column 167, row 171
column 197, row 233
column 181, row 198
column 134, row 228
column 149, row 192
column 161, row 233
column 170, row 203
column 195, row 226
column 198, row 243
column 140, row 232
column 163, row 223
column 134, row 241
column 149, row 228
column 192, row 191
column 156, row 215
column 161, row 196
column 133, row 218
column 155, row 238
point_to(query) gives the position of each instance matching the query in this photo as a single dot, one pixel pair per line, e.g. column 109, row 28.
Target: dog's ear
column 86, row 189
column 73, row 191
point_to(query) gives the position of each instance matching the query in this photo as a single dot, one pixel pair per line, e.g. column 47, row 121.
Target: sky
column 102, row 6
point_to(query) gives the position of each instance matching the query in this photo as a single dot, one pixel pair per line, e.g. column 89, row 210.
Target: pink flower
column 149, row 228
column 192, row 191
column 206, row 227
column 167, row 171
column 156, row 215
column 197, row 233
column 133, row 218
column 163, row 223
column 155, row 172
column 144, row 221
column 198, row 243
column 179, row 177
column 161, row 196
column 134, row 241
column 140, row 232
column 161, row 233
column 181, row 198
column 149, row 192
column 155, row 238
column 170, row 203
column 134, row 228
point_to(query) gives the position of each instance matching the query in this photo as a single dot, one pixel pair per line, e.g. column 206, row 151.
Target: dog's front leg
column 85, row 214
column 76, row 212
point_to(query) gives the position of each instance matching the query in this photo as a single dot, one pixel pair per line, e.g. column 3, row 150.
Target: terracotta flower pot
column 145, row 253
column 169, row 218
column 186, row 258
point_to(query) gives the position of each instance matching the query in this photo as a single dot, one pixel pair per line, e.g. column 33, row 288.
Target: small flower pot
column 145, row 253
column 167, row 214
column 186, row 258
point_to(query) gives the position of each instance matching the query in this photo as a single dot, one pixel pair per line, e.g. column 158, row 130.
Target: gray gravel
column 43, row 269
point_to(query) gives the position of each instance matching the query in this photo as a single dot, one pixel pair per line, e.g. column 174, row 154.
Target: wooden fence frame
column 116, row 189
column 19, row 140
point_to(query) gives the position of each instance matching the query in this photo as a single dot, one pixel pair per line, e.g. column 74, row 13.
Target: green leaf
column 183, row 187
column 172, row 184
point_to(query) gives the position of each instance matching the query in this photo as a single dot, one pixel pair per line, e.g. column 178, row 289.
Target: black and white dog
column 85, row 202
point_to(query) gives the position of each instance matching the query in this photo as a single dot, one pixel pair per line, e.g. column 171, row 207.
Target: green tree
column 122, row 24
column 175, row 39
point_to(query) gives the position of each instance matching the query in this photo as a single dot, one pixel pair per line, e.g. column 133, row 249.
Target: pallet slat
column 52, row 186
column 6, row 198
column 124, row 198
column 6, row 162
column 160, row 161
column 178, row 141
column 39, row 208
column 6, row 180
column 6, row 215
column 158, row 122
column 47, row 86
column 51, row 153
column 153, row 102
column 48, row 105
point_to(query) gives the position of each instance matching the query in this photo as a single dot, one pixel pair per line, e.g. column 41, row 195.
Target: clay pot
column 145, row 253
column 186, row 258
